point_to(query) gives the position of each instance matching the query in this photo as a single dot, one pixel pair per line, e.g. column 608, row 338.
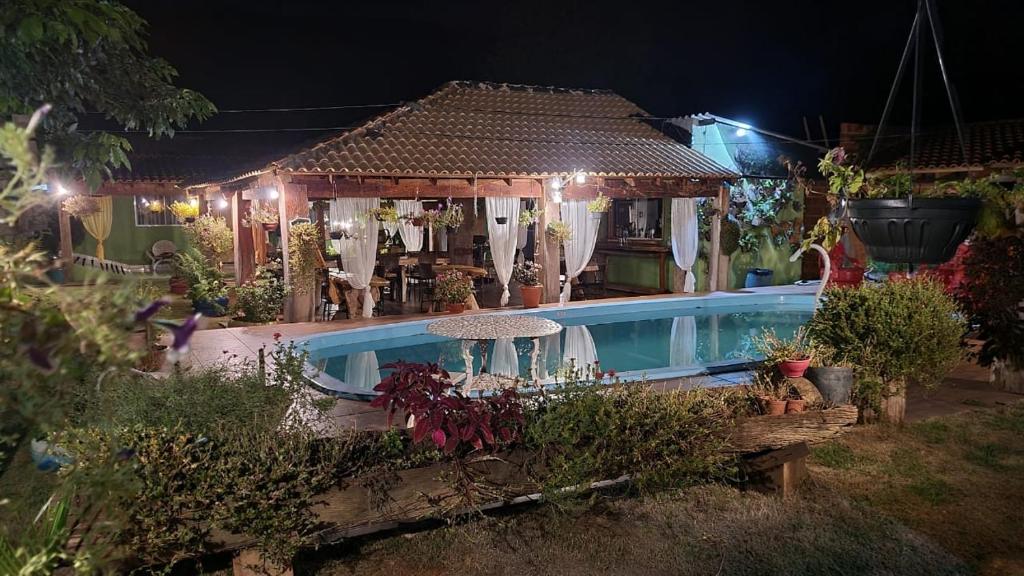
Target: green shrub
column 584, row 434
column 899, row 330
column 261, row 299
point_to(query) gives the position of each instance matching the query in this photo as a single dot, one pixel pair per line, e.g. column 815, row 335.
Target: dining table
column 341, row 283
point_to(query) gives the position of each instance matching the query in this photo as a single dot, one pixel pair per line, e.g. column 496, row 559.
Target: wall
column 129, row 243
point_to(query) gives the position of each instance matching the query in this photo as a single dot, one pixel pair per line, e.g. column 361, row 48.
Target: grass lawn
column 941, row 496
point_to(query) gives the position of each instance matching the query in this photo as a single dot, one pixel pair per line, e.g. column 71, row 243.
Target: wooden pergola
column 468, row 141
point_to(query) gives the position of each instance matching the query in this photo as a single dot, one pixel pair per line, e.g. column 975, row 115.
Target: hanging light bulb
column 193, row 202
column 581, row 178
column 273, row 194
column 61, row 190
column 222, row 203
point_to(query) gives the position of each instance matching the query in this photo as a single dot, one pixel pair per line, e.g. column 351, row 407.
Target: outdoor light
column 556, row 197
column 581, row 178
column 222, row 203
column 273, row 193
column 61, row 190
column 193, row 202
column 145, row 202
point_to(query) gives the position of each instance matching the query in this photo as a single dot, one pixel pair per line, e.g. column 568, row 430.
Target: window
column 639, row 218
column 146, row 215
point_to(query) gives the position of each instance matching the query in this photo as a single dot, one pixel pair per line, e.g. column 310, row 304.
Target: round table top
column 494, row 326
column 464, row 268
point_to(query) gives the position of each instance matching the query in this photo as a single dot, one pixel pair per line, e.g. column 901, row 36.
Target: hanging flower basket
column 596, row 216
column 269, row 226
column 913, row 230
column 337, row 234
column 501, row 219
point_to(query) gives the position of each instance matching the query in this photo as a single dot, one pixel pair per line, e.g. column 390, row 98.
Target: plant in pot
column 560, row 231
column 831, row 375
column 453, row 288
column 598, row 206
column 385, row 213
column 264, row 214
column 259, row 301
column 303, row 262
column 185, row 211
column 527, row 275
column 81, row 205
column 452, row 217
column 792, row 356
column 930, row 222
column 889, row 333
column 770, row 392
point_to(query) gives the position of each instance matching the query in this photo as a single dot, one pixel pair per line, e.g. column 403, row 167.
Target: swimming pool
column 662, row 338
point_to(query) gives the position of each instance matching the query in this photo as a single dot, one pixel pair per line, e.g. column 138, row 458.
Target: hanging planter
column 913, row 230
column 337, row 234
column 501, row 219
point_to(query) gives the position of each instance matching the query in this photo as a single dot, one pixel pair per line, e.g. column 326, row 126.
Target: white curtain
column 579, row 344
column 362, row 371
column 521, row 236
column 580, row 247
column 683, row 342
column 502, row 238
column 412, row 236
column 684, row 237
column 390, row 228
column 504, row 359
column 359, row 253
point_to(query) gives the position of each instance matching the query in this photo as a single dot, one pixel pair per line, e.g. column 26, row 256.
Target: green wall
column 127, row 242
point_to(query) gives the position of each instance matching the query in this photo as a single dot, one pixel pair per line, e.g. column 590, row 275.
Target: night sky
column 767, row 62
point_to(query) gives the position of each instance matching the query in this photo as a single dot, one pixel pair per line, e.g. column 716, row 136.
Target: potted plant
column 599, row 206
column 831, row 375
column 259, row 301
column 528, row 217
column 560, row 231
column 770, row 393
column 264, row 214
column 453, row 288
column 501, row 219
column 385, row 213
column 81, row 205
column 212, row 236
column 185, row 212
column 452, row 217
column 527, row 275
column 792, row 356
column 929, row 226
column 304, row 242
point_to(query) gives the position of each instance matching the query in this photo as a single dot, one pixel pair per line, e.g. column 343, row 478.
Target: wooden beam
column 119, row 188
column 547, row 249
column 721, row 207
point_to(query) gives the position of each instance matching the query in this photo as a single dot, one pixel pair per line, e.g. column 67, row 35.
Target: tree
column 88, row 56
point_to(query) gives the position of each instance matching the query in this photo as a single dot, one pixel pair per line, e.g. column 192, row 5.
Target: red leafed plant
column 451, row 420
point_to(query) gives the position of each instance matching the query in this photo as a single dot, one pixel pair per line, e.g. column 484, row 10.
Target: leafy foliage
column 261, row 298
column 452, row 421
column 81, row 55
column 527, row 273
column 899, row 330
column 212, row 237
column 560, row 231
column 183, row 210
column 992, row 293
column 776, row 350
column 583, row 434
column 600, row 204
column 205, row 282
column 453, row 287
column 303, row 243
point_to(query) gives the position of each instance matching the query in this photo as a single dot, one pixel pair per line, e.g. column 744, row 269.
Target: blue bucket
column 759, row 277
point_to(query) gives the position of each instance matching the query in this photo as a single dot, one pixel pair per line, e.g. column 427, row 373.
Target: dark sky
column 767, row 62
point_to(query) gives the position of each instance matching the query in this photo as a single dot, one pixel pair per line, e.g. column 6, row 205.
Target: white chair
column 162, row 256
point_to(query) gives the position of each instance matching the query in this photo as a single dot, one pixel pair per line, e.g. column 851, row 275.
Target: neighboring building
column 769, row 209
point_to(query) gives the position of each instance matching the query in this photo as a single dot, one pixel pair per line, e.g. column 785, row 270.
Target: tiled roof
column 989, row 144
column 499, row 130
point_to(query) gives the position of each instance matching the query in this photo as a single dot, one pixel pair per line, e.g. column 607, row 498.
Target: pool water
column 656, row 339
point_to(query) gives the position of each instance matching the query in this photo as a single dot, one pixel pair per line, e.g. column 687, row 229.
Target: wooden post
column 779, row 472
column 716, row 240
column 547, row 248
column 292, row 203
column 245, row 250
column 66, row 249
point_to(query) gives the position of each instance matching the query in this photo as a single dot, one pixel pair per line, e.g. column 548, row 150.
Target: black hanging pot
column 913, row 230
column 501, row 219
column 336, row 235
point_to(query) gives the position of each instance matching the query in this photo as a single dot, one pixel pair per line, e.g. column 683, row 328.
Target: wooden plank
column 547, row 249
column 769, row 432
column 119, row 188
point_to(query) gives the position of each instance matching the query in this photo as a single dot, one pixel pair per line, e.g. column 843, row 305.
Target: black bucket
column 834, row 383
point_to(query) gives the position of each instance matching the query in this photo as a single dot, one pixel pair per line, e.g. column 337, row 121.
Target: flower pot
column 501, row 219
column 209, row 309
column 851, row 277
column 834, row 383
column 336, row 235
column 190, row 220
column 914, row 231
column 269, row 226
column 456, row 308
column 531, row 295
column 596, row 215
column 794, row 368
column 758, row 277
column 178, row 285
column 56, row 275
column 794, row 406
column 773, row 407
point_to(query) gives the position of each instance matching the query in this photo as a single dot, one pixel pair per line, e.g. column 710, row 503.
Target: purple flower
column 182, row 334
column 146, row 313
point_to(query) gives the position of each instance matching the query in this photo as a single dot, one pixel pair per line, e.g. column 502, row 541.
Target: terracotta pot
column 269, row 226
column 458, row 308
column 178, row 285
column 794, row 368
column 531, row 295
column 773, row 407
column 794, row 406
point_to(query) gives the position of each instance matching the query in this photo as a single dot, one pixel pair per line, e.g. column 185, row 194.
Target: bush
column 906, row 329
column 992, row 294
column 212, row 237
column 584, row 434
column 260, row 299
